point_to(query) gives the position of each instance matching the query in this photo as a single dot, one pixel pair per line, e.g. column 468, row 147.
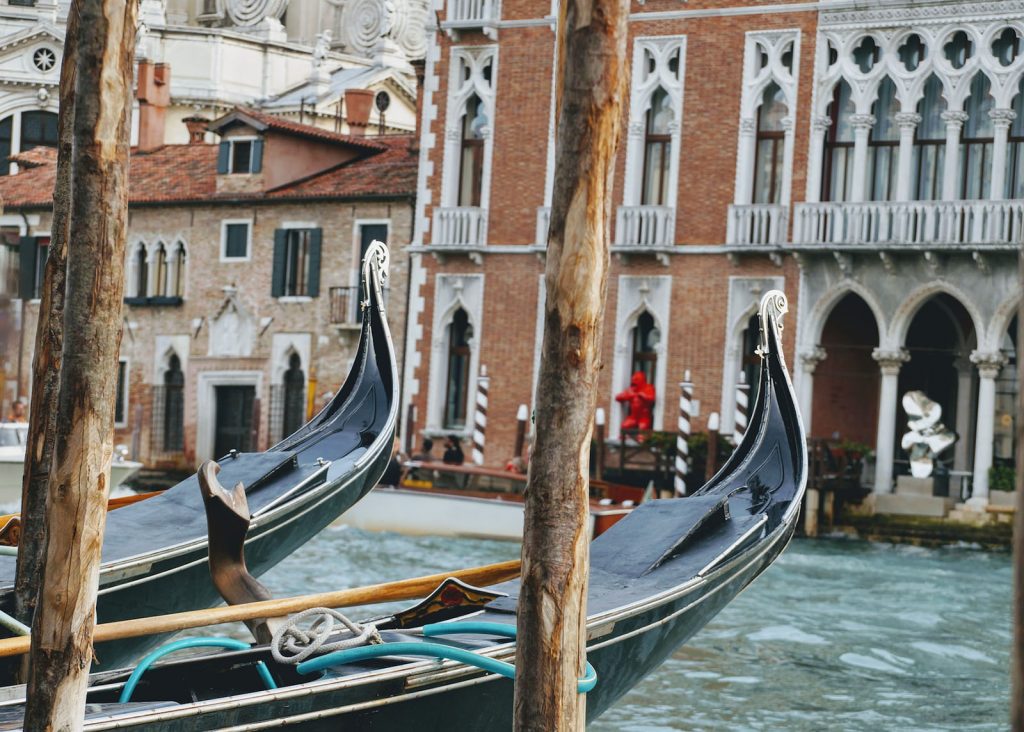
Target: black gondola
column 657, row 577
column 155, row 551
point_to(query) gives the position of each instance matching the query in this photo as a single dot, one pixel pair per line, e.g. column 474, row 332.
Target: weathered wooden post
column 62, row 627
column 47, row 359
column 592, row 71
column 711, row 461
column 1017, row 662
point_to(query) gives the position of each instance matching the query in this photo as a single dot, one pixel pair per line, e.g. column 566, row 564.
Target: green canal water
column 837, row 635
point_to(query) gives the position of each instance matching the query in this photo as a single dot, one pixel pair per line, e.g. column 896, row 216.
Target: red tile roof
column 188, row 173
column 262, row 120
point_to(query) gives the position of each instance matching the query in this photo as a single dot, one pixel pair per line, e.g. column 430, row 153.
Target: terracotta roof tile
column 280, row 124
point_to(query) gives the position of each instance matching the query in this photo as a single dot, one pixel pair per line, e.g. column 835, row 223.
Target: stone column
column 890, row 363
column 152, row 270
column 989, row 364
column 964, row 371
column 787, row 164
column 745, row 164
column 809, row 361
column 1002, row 119
column 908, row 122
column 951, row 169
column 819, row 126
column 862, row 124
column 172, row 269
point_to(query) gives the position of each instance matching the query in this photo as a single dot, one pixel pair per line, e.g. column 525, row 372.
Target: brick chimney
column 419, row 67
column 196, row 129
column 154, row 95
column 357, row 109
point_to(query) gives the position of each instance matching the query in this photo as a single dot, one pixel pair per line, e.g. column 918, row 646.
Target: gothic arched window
column 460, row 334
column 471, row 158
column 837, row 176
column 976, row 142
column 768, row 155
column 294, row 413
column 1015, row 152
column 930, row 142
column 657, row 150
column 177, row 288
column 646, row 337
column 174, row 406
column 160, row 286
column 883, row 145
column 141, row 272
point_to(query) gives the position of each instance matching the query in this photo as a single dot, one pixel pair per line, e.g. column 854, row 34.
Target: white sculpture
column 321, row 49
column 927, row 437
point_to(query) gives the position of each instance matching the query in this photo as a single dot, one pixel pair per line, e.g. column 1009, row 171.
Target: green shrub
column 1002, row 478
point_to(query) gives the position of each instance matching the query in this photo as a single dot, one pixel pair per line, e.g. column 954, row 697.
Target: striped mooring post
column 480, row 417
column 682, row 448
column 742, row 403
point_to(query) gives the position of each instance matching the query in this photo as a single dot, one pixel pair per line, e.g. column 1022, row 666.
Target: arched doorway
column 845, row 397
column 939, row 340
column 294, row 396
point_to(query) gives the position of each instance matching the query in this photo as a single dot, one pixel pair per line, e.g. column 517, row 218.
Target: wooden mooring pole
column 592, row 71
column 62, row 628
column 1017, row 661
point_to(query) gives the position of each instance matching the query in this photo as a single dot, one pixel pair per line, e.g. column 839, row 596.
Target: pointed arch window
column 141, row 271
column 460, row 336
column 657, row 150
column 770, row 146
column 294, row 413
column 930, row 142
column 883, row 145
column 1015, row 151
column 174, row 406
column 837, row 176
column 160, row 285
column 177, row 287
column 471, row 157
column 645, row 339
column 976, row 141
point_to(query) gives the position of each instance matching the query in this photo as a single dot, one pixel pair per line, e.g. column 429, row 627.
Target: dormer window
column 240, row 156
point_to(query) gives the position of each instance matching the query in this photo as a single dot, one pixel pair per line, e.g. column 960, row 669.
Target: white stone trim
column 637, row 293
column 357, row 225
column 281, row 348
column 206, row 404
column 163, row 347
column 224, row 240
column 452, row 291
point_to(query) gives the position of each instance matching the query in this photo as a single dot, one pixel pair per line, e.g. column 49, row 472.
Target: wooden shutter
column 257, row 156
column 313, row 283
column 222, row 157
column 277, row 276
column 27, row 276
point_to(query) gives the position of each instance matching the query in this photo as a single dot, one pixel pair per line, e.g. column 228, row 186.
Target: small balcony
column 645, row 227
column 757, row 225
column 474, row 15
column 910, row 224
column 461, row 227
column 543, row 222
column 344, row 305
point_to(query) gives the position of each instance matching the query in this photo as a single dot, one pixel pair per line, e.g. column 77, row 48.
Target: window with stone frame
column 32, row 256
column 837, row 175
column 236, row 237
column 240, row 156
column 141, row 282
column 1015, row 151
column 176, row 288
column 471, row 155
column 173, row 403
column 930, row 143
column 296, row 262
column 883, row 145
column 294, row 408
column 977, row 138
column 645, row 339
column 657, row 150
column 769, row 149
column 460, row 337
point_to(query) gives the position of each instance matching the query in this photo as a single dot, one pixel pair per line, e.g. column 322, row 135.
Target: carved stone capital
column 955, row 119
column 890, row 362
column 989, row 363
column 787, row 123
column 821, row 123
column 1002, row 118
column 862, row 121
column 453, row 132
column 908, row 120
column 812, row 357
column 636, row 129
column 748, row 125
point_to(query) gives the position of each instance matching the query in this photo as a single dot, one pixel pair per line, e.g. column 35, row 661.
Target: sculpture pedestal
column 913, row 497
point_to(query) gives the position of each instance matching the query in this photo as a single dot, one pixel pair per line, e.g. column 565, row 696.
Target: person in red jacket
column 640, row 397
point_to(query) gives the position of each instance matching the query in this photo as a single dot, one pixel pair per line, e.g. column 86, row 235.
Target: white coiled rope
column 293, row 644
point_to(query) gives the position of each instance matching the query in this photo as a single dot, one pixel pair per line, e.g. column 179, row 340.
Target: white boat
column 469, row 501
column 13, row 437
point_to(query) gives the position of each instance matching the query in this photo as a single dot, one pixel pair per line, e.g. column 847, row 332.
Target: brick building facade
column 866, row 158
column 241, row 295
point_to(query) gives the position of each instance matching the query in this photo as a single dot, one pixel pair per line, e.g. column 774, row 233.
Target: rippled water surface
column 837, row 635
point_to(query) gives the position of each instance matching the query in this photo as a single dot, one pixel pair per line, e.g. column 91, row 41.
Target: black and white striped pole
column 742, row 404
column 480, row 417
column 682, row 446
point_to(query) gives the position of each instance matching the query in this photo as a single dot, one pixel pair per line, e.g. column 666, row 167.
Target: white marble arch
column 165, row 346
column 896, row 334
column 451, row 292
column 282, row 346
column 1000, row 323
column 819, row 312
column 637, row 293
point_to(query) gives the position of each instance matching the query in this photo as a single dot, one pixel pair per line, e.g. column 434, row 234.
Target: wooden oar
column 407, row 589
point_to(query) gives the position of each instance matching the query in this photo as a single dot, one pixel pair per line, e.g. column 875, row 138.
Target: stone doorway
column 233, row 419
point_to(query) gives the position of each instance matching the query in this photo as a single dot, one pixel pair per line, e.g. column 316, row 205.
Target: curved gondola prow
column 375, row 353
column 774, row 375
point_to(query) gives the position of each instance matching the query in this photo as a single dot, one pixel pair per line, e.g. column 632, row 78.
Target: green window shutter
column 27, row 275
column 222, row 157
column 313, row 285
column 277, row 276
column 257, row 156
